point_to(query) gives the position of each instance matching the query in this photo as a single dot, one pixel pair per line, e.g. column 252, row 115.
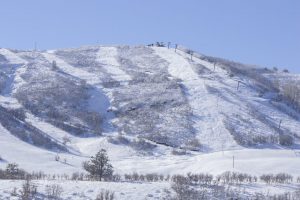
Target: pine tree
column 12, row 170
column 99, row 166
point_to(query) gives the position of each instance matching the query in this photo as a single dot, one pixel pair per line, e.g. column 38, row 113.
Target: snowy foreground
column 89, row 190
column 154, row 109
column 135, row 190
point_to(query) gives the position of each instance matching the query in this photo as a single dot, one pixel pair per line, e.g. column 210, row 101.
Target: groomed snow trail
column 100, row 97
column 98, row 102
column 90, row 78
column 15, row 76
column 12, row 57
column 206, row 117
column 107, row 56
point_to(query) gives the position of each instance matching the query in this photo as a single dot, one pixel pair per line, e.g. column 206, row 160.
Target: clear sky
column 263, row 32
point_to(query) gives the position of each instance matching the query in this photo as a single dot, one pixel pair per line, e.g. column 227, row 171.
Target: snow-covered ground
column 88, row 190
column 126, row 85
column 108, row 57
column 203, row 104
column 85, row 190
column 125, row 160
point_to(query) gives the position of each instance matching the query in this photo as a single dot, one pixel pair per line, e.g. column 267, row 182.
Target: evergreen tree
column 99, row 166
column 12, row 170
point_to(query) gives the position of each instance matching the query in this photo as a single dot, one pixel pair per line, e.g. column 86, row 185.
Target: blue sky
column 263, row 32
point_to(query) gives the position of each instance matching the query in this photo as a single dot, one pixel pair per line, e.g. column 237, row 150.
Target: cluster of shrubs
column 286, row 140
column 151, row 177
column 29, row 190
column 193, row 179
column 139, row 144
column 276, row 178
column 185, row 187
column 262, row 139
column 105, row 195
column 235, row 177
column 53, row 191
column 120, row 139
column 261, row 82
column 208, row 179
column 190, row 186
column 193, row 145
column 18, row 113
column 290, row 92
column 48, row 97
column 12, row 171
column 178, row 152
column 200, row 187
column 3, row 79
column 142, row 145
column 281, row 137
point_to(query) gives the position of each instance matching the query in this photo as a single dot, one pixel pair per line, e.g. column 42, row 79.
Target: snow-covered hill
column 145, row 105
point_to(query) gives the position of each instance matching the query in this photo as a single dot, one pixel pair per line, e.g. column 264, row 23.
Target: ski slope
column 115, row 76
column 206, row 116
